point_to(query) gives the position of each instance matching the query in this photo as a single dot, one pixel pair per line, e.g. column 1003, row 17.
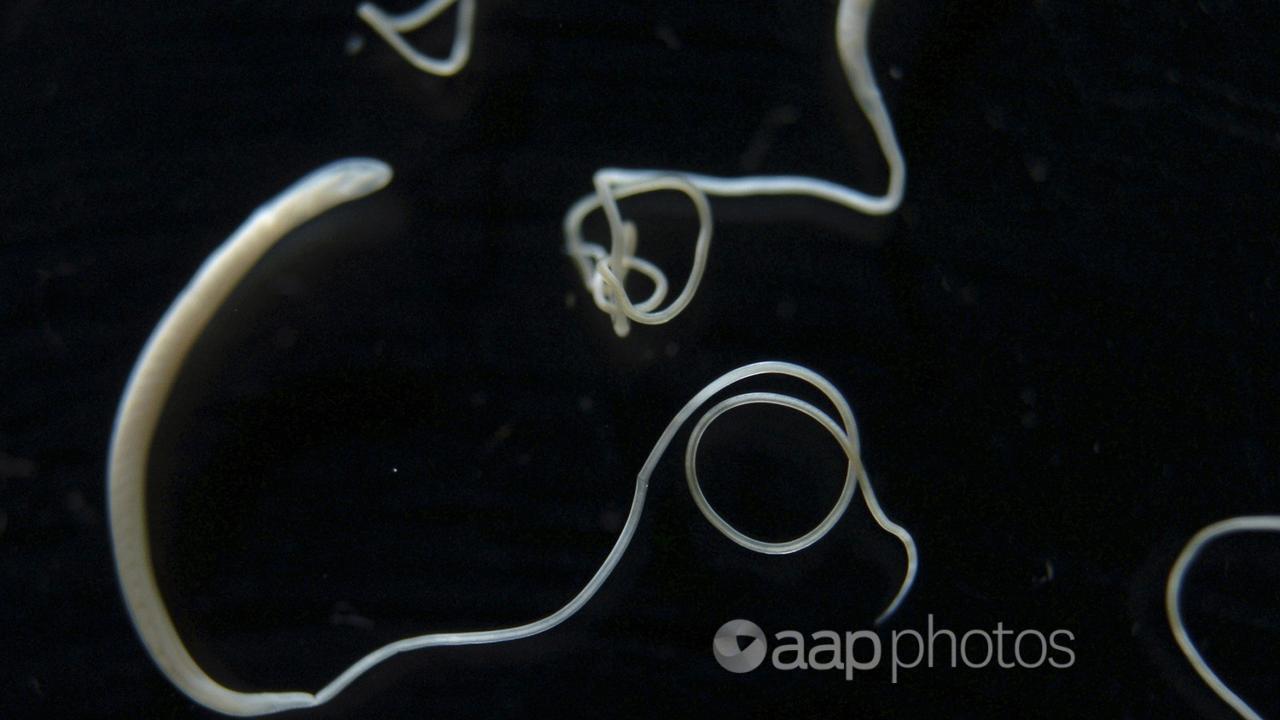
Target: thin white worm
column 153, row 377
column 144, row 398
column 604, row 272
column 392, row 27
column 1173, row 592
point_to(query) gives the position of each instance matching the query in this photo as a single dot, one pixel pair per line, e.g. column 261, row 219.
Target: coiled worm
column 604, row 271
column 156, row 369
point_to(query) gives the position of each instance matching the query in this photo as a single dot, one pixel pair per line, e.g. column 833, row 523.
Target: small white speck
column 354, row 44
column 895, row 72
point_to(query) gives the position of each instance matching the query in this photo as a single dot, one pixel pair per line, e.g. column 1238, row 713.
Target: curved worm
column 391, row 27
column 144, row 398
column 161, row 359
column 1173, row 592
column 604, row 272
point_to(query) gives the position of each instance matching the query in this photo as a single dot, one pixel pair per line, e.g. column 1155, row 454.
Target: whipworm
column 604, row 271
column 152, row 380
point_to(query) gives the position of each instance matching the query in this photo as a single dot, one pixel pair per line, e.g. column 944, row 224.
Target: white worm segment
column 161, row 359
column 1173, row 592
column 392, row 27
column 604, row 272
column 144, row 399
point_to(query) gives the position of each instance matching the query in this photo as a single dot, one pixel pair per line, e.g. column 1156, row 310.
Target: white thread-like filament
column 604, row 272
column 1173, row 592
column 392, row 27
column 161, row 359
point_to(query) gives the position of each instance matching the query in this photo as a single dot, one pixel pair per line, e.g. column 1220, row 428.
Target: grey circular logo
column 739, row 646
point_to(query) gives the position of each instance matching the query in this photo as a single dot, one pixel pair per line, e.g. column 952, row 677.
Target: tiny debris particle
column 1042, row 579
column 1037, row 169
column 354, row 44
column 895, row 72
column 80, row 510
column 668, row 37
column 344, row 614
column 570, row 300
column 501, row 435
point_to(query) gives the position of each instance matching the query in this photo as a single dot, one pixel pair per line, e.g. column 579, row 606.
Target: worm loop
column 1173, row 599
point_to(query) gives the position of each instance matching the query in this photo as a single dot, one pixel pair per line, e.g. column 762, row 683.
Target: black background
column 410, row 418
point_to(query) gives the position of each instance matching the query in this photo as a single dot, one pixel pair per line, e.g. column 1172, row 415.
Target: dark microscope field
column 410, row 417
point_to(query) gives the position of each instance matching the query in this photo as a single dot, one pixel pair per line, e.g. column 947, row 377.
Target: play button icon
column 739, row 646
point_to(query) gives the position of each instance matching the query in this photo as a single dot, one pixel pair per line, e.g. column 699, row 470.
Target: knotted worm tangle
column 156, row 369
column 1173, row 592
column 604, row 271
column 391, row 27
